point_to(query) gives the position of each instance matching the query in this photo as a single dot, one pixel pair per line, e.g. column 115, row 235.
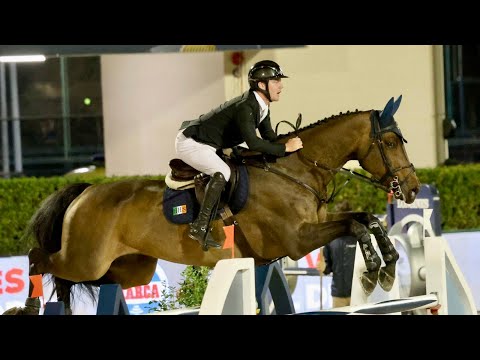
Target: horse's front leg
column 389, row 253
column 321, row 234
column 369, row 278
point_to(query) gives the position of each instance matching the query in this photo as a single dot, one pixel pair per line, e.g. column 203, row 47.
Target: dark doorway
column 462, row 91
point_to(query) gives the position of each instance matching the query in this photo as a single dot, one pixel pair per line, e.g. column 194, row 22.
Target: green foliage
column 458, row 187
column 18, row 200
column 190, row 293
column 167, row 301
column 193, row 286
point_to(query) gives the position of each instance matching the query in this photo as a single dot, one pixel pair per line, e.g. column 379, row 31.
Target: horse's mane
column 321, row 122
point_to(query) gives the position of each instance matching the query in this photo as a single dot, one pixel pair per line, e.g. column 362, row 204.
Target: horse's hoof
column 27, row 310
column 385, row 279
column 14, row 311
column 368, row 282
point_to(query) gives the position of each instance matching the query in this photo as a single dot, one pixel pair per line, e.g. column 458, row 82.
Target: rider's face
column 275, row 87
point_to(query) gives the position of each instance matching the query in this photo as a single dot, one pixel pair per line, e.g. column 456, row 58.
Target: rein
column 369, row 180
column 265, row 166
column 315, row 163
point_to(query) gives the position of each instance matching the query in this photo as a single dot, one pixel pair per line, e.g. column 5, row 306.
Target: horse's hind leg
column 36, row 257
column 390, row 255
column 39, row 264
column 369, row 278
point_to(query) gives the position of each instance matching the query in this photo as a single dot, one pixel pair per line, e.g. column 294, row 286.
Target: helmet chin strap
column 265, row 92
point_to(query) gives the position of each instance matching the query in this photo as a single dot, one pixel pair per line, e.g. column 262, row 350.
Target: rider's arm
column 245, row 122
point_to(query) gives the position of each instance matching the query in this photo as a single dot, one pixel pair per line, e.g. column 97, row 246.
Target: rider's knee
column 225, row 172
column 219, row 177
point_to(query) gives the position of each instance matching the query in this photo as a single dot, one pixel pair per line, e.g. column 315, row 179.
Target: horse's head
column 385, row 157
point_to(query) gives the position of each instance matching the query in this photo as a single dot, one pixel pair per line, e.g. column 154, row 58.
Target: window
column 60, row 107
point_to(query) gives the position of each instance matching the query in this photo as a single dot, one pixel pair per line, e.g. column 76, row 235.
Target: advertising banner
column 13, row 282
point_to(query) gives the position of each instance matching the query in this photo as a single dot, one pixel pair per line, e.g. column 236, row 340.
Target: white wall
column 145, row 99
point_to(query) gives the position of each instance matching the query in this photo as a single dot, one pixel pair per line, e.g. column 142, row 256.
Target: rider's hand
column 293, row 144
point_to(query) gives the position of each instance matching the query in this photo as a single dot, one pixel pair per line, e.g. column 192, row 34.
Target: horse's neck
column 332, row 144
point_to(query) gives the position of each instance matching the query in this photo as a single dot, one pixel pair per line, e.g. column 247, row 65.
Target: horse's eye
column 390, row 144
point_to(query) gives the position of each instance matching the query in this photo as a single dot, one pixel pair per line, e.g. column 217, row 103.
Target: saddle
column 186, row 189
column 182, row 171
column 183, row 174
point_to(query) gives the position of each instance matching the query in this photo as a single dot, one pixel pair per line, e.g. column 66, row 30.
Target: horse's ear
column 396, row 105
column 386, row 113
column 299, row 121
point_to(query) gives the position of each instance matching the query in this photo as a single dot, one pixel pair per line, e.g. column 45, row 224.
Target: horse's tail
column 46, row 227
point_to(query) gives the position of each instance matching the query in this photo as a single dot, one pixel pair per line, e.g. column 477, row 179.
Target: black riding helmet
column 264, row 71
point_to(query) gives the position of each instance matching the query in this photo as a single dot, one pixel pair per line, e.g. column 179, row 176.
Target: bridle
column 376, row 134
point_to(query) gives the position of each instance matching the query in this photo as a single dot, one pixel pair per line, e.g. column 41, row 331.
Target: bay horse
column 115, row 232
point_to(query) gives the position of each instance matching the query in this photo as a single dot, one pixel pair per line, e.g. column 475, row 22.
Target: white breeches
column 200, row 156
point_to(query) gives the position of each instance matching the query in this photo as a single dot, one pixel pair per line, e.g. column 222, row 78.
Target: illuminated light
column 198, row 48
column 83, row 170
column 22, row 58
column 87, row 101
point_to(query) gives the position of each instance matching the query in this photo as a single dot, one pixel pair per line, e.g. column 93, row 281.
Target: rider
column 232, row 123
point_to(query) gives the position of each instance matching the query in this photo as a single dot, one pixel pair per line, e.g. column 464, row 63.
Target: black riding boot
column 199, row 229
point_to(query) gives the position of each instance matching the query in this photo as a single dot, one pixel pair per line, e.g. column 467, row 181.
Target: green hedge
column 457, row 185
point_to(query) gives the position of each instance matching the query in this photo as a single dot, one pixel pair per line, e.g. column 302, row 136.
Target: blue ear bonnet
column 386, row 120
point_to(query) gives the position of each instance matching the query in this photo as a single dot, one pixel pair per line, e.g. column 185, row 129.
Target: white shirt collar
column 263, row 106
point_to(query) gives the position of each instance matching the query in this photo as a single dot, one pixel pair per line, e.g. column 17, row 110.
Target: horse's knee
column 361, row 217
column 358, row 230
column 387, row 249
column 377, row 228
